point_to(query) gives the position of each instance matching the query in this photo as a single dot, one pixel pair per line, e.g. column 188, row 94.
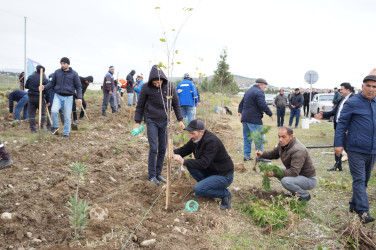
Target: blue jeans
column 247, row 129
column 64, row 102
column 294, row 113
column 280, row 116
column 207, row 185
column 187, row 113
column 22, row 103
column 361, row 166
column 157, row 146
column 130, row 99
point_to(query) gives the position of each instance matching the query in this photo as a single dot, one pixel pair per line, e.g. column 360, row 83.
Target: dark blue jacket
column 15, row 96
column 253, row 106
column 66, row 83
column 32, row 84
column 358, row 118
column 297, row 100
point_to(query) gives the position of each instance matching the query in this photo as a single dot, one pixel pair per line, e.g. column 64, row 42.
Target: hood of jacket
column 156, row 73
column 133, row 72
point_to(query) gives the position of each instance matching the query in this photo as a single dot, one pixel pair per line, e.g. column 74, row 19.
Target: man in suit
column 346, row 94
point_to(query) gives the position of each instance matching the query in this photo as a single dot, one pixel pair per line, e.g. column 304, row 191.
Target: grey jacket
column 280, row 101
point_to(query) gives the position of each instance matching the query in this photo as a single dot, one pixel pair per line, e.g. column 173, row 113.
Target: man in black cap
column 212, row 167
column 296, row 103
column 251, row 110
column 65, row 83
column 356, row 130
column 153, row 106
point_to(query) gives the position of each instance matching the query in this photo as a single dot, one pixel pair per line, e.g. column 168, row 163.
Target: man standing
column 337, row 96
column 5, row 158
column 212, row 167
column 356, row 129
column 22, row 99
column 21, row 79
column 296, row 103
column 346, row 94
column 130, row 86
column 138, row 85
column 314, row 92
column 299, row 173
column 32, row 84
column 65, row 83
column 108, row 87
column 280, row 103
column 153, row 104
column 187, row 95
column 306, row 103
column 251, row 110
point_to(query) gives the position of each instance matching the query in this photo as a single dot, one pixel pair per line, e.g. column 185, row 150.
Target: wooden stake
column 85, row 112
column 40, row 98
column 48, row 114
column 168, row 186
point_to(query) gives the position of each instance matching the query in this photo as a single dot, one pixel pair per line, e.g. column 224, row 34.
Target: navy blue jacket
column 32, row 84
column 297, row 100
column 66, row 83
column 15, row 96
column 334, row 112
column 358, row 118
column 253, row 106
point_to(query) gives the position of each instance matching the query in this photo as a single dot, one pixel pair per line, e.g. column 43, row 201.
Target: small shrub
column 78, row 218
column 269, row 168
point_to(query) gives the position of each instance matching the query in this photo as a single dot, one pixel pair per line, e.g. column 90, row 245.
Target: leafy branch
column 265, row 168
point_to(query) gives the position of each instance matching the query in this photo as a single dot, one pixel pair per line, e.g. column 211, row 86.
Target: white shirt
column 341, row 106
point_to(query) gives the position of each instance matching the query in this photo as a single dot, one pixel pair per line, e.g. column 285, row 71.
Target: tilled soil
column 37, row 187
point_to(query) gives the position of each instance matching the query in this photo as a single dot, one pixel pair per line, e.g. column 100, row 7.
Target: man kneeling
column 299, row 174
column 212, row 167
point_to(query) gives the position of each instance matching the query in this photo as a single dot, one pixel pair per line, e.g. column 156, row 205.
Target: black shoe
column 5, row 163
column 353, row 210
column 54, row 131
column 335, row 168
column 104, row 113
column 248, row 159
column 226, row 202
column 260, row 159
column 154, row 180
column 305, row 198
column 65, row 136
column 366, row 218
column 119, row 107
column 161, row 179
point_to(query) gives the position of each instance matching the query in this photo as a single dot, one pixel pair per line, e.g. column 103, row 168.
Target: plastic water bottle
column 136, row 131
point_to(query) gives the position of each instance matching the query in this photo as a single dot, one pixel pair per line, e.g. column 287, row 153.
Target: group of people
column 354, row 124
column 209, row 163
column 59, row 94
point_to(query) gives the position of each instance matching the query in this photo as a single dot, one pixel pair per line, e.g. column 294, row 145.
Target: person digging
column 299, row 173
column 212, row 167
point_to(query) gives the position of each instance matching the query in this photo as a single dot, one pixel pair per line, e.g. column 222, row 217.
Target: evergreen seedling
column 258, row 136
column 269, row 168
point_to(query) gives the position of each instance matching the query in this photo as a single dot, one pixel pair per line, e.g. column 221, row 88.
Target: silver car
column 269, row 98
column 322, row 103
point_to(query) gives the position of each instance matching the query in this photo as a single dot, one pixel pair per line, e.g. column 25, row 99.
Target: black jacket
column 84, row 84
column 296, row 100
column 66, row 83
column 306, row 98
column 210, row 155
column 32, row 84
column 334, row 112
column 130, row 82
column 150, row 102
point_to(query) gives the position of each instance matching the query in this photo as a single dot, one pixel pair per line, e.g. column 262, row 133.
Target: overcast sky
column 274, row 39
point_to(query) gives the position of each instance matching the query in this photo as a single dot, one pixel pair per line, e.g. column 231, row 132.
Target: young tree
column 223, row 80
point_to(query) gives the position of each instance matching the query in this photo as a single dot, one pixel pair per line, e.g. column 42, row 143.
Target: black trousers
column 32, row 107
column 306, row 109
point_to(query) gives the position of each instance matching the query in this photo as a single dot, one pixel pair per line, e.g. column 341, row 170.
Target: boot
column 119, row 107
column 104, row 113
column 113, row 109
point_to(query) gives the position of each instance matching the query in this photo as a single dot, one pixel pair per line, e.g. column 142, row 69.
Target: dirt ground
column 37, row 186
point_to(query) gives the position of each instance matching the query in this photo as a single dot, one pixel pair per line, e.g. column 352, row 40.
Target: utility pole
column 25, row 54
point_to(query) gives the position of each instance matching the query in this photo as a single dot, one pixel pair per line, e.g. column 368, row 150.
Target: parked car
column 269, row 98
column 322, row 103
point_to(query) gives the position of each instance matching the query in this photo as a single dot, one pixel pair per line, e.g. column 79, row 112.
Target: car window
column 324, row 98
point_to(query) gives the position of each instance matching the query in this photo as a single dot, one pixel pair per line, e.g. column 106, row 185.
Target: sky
column 273, row 39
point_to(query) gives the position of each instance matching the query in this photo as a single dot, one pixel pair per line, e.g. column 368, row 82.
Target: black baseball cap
column 297, row 89
column 195, row 125
column 370, row 78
